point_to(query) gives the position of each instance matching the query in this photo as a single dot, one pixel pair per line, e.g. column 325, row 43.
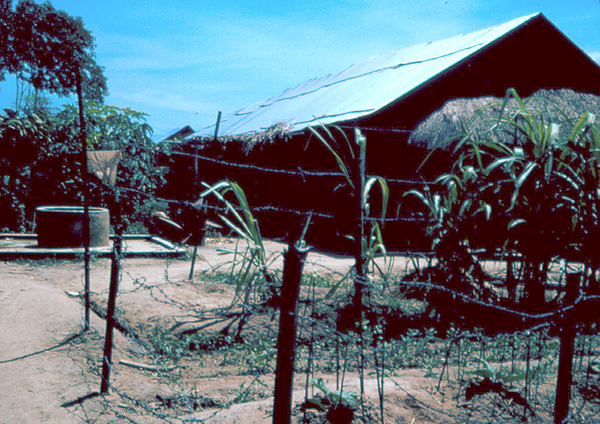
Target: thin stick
column 146, row 367
column 86, row 204
column 191, row 276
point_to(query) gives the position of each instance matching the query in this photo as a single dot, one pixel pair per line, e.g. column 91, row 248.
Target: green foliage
column 173, row 348
column 39, row 161
column 319, row 280
column 256, row 390
column 258, row 355
column 334, row 397
column 244, row 224
column 351, row 156
column 452, row 212
column 534, row 192
column 49, row 49
column 253, row 260
column 543, row 178
column 494, row 374
column 343, row 152
column 416, row 348
column 124, row 129
column 23, row 139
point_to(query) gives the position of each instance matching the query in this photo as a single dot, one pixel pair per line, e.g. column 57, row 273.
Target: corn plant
column 334, row 397
column 453, row 211
column 553, row 198
column 346, row 154
column 537, row 191
column 239, row 218
column 489, row 371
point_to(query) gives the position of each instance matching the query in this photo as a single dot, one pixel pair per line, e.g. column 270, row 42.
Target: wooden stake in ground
column 110, row 312
column 359, row 175
column 286, row 343
column 86, row 204
column 565, row 362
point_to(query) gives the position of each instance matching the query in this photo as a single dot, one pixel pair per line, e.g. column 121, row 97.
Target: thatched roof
column 478, row 115
column 279, row 131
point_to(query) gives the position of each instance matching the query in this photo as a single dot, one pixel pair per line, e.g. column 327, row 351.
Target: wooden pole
column 360, row 260
column 565, row 363
column 217, row 125
column 286, row 342
column 86, row 204
column 110, row 313
column 115, row 271
column 191, row 276
column 565, row 373
column 359, row 231
column 197, row 185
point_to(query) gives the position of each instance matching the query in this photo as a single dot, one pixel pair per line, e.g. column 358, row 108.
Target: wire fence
column 476, row 373
column 519, row 365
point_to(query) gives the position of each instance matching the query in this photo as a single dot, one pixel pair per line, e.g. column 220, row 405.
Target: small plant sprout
column 335, row 397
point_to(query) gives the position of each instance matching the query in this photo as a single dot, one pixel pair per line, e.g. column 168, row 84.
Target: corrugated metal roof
column 361, row 89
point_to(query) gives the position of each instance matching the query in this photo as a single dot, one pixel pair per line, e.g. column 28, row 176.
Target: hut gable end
column 400, row 89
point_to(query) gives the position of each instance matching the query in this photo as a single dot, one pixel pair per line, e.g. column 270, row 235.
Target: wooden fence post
column 115, row 271
column 86, row 203
column 286, row 342
column 565, row 365
column 565, row 372
column 359, row 172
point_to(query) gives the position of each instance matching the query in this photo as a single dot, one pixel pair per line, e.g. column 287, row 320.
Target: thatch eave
column 277, row 132
column 477, row 116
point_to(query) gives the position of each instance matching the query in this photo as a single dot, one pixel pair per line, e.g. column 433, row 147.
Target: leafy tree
column 40, row 162
column 23, row 139
column 114, row 128
column 5, row 26
column 49, row 49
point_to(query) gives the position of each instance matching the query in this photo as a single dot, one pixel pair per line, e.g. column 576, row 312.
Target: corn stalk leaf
column 520, row 181
column 340, row 162
column 385, row 194
column 584, row 123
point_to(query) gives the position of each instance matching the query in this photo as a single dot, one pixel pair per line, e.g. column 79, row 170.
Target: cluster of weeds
column 256, row 390
column 192, row 402
column 416, row 349
column 320, row 280
column 173, row 348
column 253, row 355
column 219, row 277
column 257, row 355
column 335, row 402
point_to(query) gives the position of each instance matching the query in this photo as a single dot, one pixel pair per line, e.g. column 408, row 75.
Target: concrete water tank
column 62, row 226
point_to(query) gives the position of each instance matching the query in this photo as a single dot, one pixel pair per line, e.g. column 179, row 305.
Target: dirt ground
column 45, row 362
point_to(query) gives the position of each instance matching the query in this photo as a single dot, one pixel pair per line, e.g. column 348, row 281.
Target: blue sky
column 181, row 61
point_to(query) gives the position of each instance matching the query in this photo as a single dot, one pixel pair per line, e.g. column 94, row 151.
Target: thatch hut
column 387, row 97
column 479, row 116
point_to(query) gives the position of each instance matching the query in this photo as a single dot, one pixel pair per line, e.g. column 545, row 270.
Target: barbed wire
column 177, row 388
column 251, row 310
column 332, row 332
column 298, row 172
column 269, row 208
